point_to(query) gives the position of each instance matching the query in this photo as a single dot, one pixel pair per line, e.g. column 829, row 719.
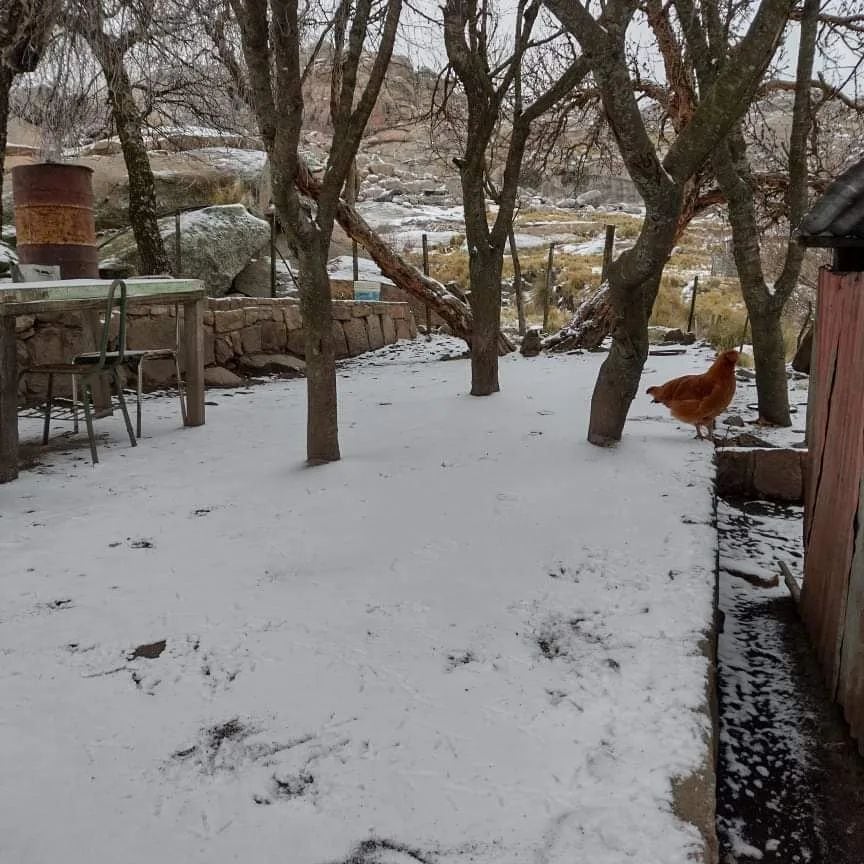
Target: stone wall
column 343, row 289
column 242, row 336
column 769, row 474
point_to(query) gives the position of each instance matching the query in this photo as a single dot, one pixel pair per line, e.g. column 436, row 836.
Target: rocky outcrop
column 216, row 244
column 195, row 178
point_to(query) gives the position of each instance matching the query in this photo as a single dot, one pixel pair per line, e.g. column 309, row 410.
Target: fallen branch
column 791, row 582
column 593, row 322
column 455, row 312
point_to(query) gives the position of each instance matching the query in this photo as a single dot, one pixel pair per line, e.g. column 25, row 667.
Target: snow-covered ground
column 745, row 406
column 767, row 807
column 475, row 639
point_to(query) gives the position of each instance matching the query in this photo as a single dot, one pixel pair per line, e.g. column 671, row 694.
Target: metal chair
column 104, row 364
column 137, row 358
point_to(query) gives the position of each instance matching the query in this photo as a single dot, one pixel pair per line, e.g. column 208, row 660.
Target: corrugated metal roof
column 837, row 218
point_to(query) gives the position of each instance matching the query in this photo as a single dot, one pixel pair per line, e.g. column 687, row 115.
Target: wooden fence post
column 547, row 293
column 425, row 241
column 608, row 252
column 273, row 253
column 693, row 304
column 178, row 259
column 517, row 281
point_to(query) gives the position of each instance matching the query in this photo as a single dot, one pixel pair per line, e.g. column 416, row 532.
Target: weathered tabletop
column 84, row 295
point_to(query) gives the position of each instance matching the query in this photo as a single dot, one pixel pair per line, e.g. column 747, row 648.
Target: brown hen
column 699, row 399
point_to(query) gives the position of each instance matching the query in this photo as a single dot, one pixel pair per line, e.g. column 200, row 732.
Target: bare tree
column 25, row 29
column 664, row 181
column 7, row 76
column 88, row 20
column 452, row 309
column 272, row 38
column 488, row 82
column 732, row 167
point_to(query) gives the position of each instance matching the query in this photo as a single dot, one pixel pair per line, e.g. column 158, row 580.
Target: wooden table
column 87, row 295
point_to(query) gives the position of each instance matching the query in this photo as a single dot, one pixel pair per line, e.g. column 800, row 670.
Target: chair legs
column 49, row 398
column 75, row 404
column 86, row 395
column 118, row 386
column 140, row 388
column 181, row 392
column 180, row 386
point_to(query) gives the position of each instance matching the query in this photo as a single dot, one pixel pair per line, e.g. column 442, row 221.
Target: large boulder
column 8, row 257
column 592, row 196
column 216, row 243
column 195, row 178
column 178, row 139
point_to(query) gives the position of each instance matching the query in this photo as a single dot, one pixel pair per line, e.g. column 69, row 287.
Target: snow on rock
column 247, row 164
column 8, row 257
column 745, row 405
column 475, row 639
column 216, row 244
column 342, row 268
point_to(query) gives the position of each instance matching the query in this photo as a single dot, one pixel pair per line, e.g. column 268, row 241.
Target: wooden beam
column 193, row 344
column 8, row 401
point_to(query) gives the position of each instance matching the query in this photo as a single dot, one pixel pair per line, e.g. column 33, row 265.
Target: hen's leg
column 699, row 434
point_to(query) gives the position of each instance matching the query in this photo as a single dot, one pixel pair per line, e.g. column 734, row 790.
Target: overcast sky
column 424, row 43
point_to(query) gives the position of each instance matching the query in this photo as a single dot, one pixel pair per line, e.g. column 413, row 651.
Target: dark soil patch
column 376, row 851
column 293, row 786
column 790, row 779
column 455, row 659
column 150, row 651
column 140, row 543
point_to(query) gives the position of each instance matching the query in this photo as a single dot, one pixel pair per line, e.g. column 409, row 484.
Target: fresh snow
column 247, row 164
column 475, row 639
column 7, row 254
column 765, row 751
column 746, row 406
column 342, row 268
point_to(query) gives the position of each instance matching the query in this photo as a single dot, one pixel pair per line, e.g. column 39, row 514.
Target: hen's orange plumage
column 699, row 399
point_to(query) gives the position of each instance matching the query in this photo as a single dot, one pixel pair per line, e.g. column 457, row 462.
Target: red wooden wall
column 832, row 598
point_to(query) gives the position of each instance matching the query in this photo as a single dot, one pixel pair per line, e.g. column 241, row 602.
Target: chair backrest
column 114, row 302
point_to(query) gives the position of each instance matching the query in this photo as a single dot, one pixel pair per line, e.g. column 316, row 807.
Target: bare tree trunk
column 593, row 322
column 733, row 172
column 517, row 281
column 725, row 92
column 485, row 270
column 143, row 212
column 618, row 381
column 769, row 355
column 634, row 279
column 322, row 428
column 7, row 76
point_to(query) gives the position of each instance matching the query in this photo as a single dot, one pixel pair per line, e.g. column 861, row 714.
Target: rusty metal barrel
column 54, row 220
